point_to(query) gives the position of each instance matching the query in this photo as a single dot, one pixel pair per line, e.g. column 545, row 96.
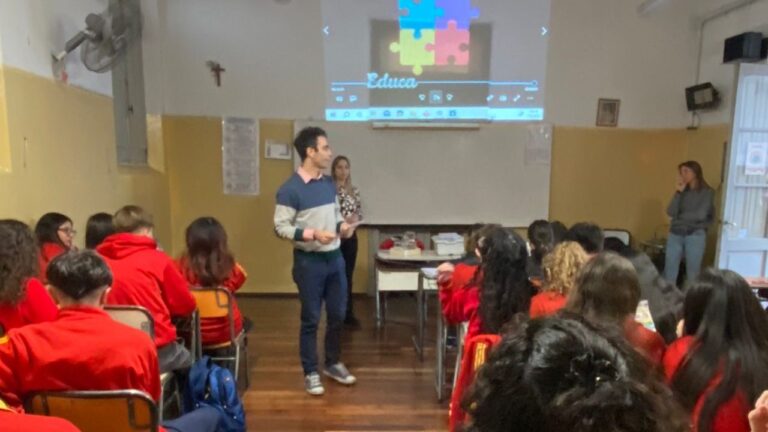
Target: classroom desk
column 401, row 274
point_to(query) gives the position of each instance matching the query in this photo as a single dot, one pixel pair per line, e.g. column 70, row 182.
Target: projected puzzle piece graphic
column 413, row 50
column 460, row 11
column 418, row 15
column 451, row 46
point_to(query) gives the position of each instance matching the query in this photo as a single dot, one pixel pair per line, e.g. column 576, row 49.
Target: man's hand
column 325, row 237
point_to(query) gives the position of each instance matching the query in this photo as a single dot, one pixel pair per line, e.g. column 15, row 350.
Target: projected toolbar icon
column 434, row 33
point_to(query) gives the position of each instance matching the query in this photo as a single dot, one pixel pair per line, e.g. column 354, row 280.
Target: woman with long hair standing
column 351, row 210
column 692, row 211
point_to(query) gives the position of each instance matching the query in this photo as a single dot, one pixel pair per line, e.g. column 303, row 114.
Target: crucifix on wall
column 216, row 71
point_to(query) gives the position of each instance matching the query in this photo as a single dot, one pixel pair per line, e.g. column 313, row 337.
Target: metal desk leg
column 440, row 359
column 418, row 342
column 378, row 297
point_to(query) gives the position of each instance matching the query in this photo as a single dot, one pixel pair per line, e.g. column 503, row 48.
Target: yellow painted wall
column 62, row 149
column 194, row 168
column 5, row 147
column 617, row 178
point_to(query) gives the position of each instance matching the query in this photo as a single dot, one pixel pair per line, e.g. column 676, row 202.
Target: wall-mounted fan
column 106, row 36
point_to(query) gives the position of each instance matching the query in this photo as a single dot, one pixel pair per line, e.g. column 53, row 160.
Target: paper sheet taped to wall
column 240, row 156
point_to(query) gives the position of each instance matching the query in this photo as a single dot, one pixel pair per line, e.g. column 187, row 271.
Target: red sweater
column 460, row 299
column 84, row 349
column 48, row 251
column 36, row 306
column 145, row 276
column 546, row 303
column 730, row 416
column 648, row 342
column 216, row 330
column 14, row 422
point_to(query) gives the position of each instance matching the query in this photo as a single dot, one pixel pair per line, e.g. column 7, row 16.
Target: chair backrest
column 620, row 234
column 215, row 303
column 133, row 316
column 96, row 411
column 475, row 353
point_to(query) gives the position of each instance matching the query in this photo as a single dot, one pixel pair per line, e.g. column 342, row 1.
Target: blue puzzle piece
column 418, row 15
column 460, row 11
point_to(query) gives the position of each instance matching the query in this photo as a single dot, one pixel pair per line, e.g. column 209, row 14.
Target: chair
column 217, row 303
column 475, row 353
column 620, row 234
column 133, row 316
column 139, row 318
column 97, row 411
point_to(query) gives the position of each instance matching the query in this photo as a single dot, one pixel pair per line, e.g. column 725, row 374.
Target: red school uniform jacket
column 731, row 416
column 144, row 276
column 36, row 306
column 546, row 303
column 647, row 342
column 216, row 330
column 460, row 299
column 48, row 251
column 15, row 422
column 84, row 349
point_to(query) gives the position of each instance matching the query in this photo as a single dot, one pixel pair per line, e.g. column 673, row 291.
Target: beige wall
column 62, row 156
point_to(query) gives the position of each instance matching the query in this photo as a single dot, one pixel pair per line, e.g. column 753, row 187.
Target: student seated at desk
column 55, row 234
column 23, row 298
column 499, row 290
column 607, row 292
column 560, row 268
column 541, row 240
column 147, row 277
column 84, row 349
column 458, row 274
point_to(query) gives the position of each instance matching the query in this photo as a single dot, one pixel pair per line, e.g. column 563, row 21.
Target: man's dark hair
column 588, row 235
column 78, row 273
column 307, row 138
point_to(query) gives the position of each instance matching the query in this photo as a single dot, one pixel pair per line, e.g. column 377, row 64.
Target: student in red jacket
column 207, row 262
column 718, row 368
column 608, row 292
column 55, row 235
column 452, row 275
column 560, row 269
column 84, row 349
column 499, row 291
column 15, row 422
column 147, row 277
column 23, row 299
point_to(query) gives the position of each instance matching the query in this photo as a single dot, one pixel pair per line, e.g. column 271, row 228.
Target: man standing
column 308, row 214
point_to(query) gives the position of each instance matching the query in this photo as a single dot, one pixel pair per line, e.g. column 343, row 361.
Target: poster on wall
column 538, row 147
column 240, row 156
column 757, row 156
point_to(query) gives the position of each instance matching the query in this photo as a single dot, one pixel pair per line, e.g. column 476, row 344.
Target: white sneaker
column 313, row 385
column 339, row 373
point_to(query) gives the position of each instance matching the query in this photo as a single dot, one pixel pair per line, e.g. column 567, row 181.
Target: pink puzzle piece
column 451, row 46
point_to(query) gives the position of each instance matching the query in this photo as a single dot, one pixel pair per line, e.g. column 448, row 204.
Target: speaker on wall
column 745, row 47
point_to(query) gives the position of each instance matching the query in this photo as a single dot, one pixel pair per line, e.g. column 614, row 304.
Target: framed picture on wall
column 608, row 112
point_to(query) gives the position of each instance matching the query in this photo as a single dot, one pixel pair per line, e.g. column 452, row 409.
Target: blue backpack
column 212, row 385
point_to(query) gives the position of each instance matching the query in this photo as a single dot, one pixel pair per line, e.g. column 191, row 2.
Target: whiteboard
column 438, row 176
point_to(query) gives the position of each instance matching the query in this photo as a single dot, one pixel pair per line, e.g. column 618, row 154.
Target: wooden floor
column 394, row 391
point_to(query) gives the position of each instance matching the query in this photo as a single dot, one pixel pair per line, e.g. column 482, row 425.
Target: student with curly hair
column 560, row 268
column 566, row 374
column 23, row 298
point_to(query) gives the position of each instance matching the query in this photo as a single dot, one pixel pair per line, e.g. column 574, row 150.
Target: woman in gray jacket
column 692, row 211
